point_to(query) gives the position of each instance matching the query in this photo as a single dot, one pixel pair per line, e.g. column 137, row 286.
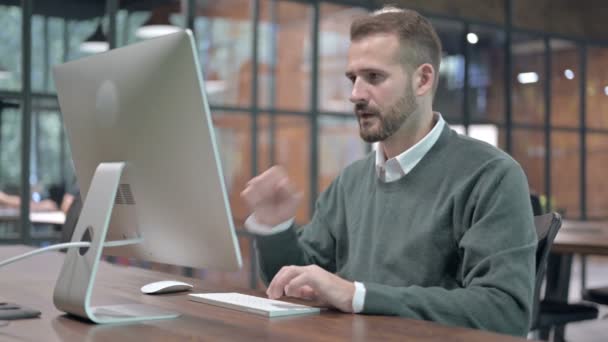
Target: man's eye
column 374, row 77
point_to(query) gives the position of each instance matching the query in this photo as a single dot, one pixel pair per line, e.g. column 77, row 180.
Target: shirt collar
column 397, row 167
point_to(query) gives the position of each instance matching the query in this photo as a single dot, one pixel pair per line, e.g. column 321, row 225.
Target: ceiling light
column 214, row 86
column 96, row 43
column 157, row 25
column 569, row 74
column 527, row 77
column 606, row 90
column 472, row 38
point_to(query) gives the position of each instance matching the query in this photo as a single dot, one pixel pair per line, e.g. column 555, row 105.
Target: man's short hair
column 417, row 37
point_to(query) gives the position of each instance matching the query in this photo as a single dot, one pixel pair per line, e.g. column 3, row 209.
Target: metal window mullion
column 1, row 115
column 273, row 80
column 314, row 107
column 46, row 56
column 36, row 136
column 26, row 119
column 253, row 274
column 63, row 151
column 466, row 118
column 111, row 10
column 547, row 126
column 583, row 130
column 508, row 82
column 254, row 87
column 190, row 9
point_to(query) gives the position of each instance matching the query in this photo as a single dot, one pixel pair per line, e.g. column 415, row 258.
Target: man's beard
column 389, row 122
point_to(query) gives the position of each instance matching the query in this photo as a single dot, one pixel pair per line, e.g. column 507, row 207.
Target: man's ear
column 424, row 79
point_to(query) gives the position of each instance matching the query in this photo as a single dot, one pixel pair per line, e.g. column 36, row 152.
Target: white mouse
column 165, row 286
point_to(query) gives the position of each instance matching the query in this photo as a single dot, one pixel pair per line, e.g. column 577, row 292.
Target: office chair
column 56, row 192
column 549, row 314
column 71, row 218
column 547, row 227
column 597, row 295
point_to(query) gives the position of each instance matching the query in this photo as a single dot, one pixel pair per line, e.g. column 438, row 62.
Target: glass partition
column 224, row 34
column 565, row 84
column 285, row 55
column 597, row 88
column 486, row 74
column 597, row 183
column 529, row 150
column 339, row 146
column 565, row 173
column 528, row 78
column 450, row 95
column 334, row 39
column 10, row 55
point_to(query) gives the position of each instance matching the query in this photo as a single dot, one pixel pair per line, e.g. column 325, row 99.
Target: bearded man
column 432, row 225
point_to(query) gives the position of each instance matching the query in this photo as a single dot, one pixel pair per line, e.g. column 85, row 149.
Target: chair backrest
column 537, row 207
column 56, row 192
column 547, row 226
column 71, row 218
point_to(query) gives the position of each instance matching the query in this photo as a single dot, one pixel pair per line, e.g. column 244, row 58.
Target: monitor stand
column 75, row 283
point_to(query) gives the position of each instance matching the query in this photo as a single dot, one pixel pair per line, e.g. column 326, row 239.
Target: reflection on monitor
column 146, row 159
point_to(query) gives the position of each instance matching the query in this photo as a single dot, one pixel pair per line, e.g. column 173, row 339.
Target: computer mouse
column 165, row 286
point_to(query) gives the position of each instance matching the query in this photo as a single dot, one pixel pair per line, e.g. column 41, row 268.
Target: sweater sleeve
column 496, row 264
column 313, row 243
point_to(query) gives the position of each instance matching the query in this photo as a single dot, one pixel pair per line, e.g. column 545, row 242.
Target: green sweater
column 453, row 241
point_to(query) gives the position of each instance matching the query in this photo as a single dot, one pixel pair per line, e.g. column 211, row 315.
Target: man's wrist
column 253, row 226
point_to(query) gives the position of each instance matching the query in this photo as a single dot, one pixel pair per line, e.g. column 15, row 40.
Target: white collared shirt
column 388, row 171
column 397, row 167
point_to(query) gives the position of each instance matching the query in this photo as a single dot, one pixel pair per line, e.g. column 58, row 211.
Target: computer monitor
column 147, row 164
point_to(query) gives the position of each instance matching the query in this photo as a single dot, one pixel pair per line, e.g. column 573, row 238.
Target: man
column 432, row 225
column 14, row 201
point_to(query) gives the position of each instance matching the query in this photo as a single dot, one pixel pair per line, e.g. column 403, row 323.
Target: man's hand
column 313, row 282
column 272, row 197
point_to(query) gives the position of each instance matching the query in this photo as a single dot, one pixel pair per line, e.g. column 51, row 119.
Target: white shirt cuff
column 359, row 297
column 253, row 226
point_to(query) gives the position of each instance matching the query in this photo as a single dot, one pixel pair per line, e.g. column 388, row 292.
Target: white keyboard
column 261, row 306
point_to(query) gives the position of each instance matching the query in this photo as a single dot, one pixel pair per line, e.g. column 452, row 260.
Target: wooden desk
column 582, row 237
column 41, row 217
column 31, row 283
column 575, row 237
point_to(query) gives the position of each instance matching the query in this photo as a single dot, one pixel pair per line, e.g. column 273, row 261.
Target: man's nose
column 359, row 94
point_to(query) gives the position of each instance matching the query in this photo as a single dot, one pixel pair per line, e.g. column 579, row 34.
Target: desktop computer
column 146, row 160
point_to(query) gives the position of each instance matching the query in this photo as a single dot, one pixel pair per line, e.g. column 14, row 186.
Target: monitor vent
column 124, row 195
